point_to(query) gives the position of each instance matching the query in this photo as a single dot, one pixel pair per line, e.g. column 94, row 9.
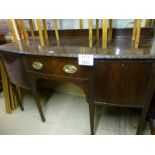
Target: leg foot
column 39, row 106
column 141, row 123
column 91, row 113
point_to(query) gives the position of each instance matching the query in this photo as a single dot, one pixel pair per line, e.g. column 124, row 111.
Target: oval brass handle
column 37, row 65
column 122, row 64
column 70, row 69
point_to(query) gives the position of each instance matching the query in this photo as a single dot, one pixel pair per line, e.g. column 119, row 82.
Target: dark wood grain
column 123, row 83
column 117, row 33
column 2, row 38
column 124, row 78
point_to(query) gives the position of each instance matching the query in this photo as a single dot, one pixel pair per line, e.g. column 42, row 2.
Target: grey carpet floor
column 67, row 114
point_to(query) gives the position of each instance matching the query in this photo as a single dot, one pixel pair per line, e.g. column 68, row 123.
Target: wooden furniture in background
column 2, row 40
column 136, row 32
column 149, row 23
column 17, row 77
column 12, row 83
column 11, row 102
column 81, row 24
column 10, row 97
column 90, row 24
column 110, row 30
column 56, row 30
column 104, row 33
column 19, row 33
column 41, row 36
column 32, row 29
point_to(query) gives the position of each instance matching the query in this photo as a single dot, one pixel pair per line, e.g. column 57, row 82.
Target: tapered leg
column 147, row 101
column 39, row 106
column 142, row 120
column 92, row 114
column 17, row 96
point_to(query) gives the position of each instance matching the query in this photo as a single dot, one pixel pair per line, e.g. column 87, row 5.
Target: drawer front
column 67, row 67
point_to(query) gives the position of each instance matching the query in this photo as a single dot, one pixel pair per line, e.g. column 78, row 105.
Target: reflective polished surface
column 72, row 46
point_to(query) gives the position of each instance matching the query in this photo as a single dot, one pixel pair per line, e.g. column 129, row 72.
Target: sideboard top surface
column 72, row 47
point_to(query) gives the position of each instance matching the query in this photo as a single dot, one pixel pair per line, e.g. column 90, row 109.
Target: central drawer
column 59, row 66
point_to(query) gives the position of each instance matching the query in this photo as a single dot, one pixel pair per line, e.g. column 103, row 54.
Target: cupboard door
column 121, row 83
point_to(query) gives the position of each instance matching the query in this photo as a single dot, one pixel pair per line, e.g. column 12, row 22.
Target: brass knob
column 70, row 69
column 37, row 65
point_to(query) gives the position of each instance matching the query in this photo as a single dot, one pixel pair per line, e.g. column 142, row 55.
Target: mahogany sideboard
column 123, row 77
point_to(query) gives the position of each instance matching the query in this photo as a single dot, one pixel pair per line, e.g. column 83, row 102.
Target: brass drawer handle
column 37, row 65
column 70, row 69
column 122, row 65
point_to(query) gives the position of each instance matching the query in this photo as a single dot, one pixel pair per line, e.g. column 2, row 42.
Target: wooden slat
column 104, row 33
column 10, row 103
column 13, row 31
column 16, row 30
column 45, row 29
column 90, row 24
column 5, row 88
column 138, row 30
column 148, row 23
column 32, row 28
column 81, row 24
column 56, row 29
column 97, row 29
column 40, row 32
column 152, row 23
column 24, row 31
column 134, row 30
column 110, row 30
column 19, row 28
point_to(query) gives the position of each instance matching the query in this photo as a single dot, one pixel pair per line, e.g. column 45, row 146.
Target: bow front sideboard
column 119, row 76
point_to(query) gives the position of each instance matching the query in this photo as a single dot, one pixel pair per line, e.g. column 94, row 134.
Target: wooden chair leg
column 92, row 114
column 17, row 96
column 90, row 25
column 36, row 97
column 104, row 33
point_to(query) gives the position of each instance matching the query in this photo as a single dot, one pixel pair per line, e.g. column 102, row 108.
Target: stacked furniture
column 2, row 41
